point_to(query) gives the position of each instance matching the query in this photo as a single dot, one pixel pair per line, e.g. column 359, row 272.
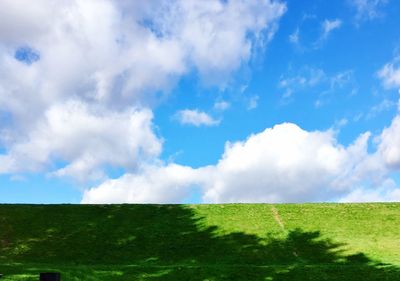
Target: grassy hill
column 201, row 242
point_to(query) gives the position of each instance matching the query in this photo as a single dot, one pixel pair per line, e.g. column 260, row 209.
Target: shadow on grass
column 164, row 242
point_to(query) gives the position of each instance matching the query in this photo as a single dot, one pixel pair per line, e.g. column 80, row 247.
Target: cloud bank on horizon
column 82, row 86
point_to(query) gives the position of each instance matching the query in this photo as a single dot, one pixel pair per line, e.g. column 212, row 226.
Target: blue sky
column 232, row 101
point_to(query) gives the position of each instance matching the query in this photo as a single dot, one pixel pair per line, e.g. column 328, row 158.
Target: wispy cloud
column 304, row 79
column 329, row 25
column 195, row 117
column 315, row 81
column 390, row 74
column 221, row 105
column 252, row 102
column 383, row 106
column 295, row 36
column 368, row 9
column 326, row 28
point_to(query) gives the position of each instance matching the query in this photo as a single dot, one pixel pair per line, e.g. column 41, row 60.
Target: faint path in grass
column 278, row 218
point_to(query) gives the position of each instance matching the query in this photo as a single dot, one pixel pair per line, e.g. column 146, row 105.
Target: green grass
column 201, row 242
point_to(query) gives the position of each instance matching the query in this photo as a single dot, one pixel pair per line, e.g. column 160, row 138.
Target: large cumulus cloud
column 281, row 164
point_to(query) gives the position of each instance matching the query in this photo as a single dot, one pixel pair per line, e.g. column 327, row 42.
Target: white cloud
column 368, row 9
column 285, row 164
column 295, row 37
column 20, row 19
column 252, row 103
column 340, row 123
column 328, row 26
column 108, row 66
column 389, row 140
column 86, row 139
column 388, row 192
column 195, row 117
column 154, row 184
column 316, row 81
column 360, row 195
column 280, row 164
column 307, row 77
column 216, row 32
column 390, row 74
column 221, row 105
column 384, row 105
column 316, row 41
column 389, row 144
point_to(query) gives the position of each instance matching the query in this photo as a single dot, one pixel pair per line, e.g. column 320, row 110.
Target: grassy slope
column 202, row 242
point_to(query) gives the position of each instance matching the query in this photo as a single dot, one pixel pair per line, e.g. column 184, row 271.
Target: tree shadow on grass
column 169, row 243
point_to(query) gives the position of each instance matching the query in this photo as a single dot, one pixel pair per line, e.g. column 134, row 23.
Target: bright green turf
column 201, row 242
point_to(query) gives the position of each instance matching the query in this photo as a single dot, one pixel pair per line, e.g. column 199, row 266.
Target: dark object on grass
column 1, row 275
column 50, row 276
